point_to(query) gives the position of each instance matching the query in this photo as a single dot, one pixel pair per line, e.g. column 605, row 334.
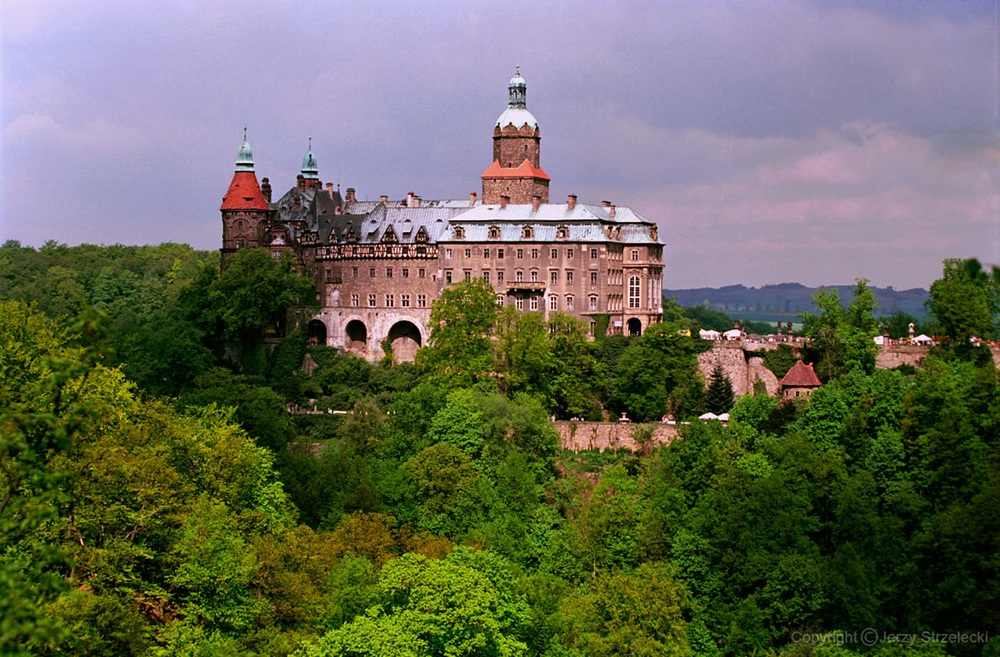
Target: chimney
column 605, row 204
column 351, row 195
column 384, row 199
column 265, row 188
column 571, row 201
column 417, row 201
column 472, row 199
column 409, row 199
column 329, row 189
column 536, row 202
column 504, row 200
column 611, row 211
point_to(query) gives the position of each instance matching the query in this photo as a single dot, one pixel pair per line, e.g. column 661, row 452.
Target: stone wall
column 757, row 371
column 741, row 372
column 580, row 436
column 891, row 357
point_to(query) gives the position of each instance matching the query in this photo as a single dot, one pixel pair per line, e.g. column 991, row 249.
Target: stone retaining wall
column 580, row 436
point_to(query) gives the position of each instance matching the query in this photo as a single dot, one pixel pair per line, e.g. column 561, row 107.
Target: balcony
column 534, row 286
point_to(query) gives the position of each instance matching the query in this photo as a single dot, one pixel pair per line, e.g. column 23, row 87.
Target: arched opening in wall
column 316, row 332
column 404, row 337
column 357, row 337
column 634, row 326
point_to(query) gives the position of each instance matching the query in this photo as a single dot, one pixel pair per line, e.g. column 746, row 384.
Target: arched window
column 519, row 276
column 593, row 302
column 553, row 302
column 562, row 232
column 494, row 232
column 527, row 232
column 459, row 233
column 633, row 291
column 534, row 275
column 569, row 302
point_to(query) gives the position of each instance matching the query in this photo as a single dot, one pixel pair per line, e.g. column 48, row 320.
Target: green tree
column 640, row 613
column 523, row 359
column 652, row 367
column 463, row 605
column 462, row 320
column 257, row 408
column 719, row 397
column 451, row 495
column 843, row 339
column 964, row 300
column 898, row 324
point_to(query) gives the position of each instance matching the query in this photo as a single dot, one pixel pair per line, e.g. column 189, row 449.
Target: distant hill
column 786, row 301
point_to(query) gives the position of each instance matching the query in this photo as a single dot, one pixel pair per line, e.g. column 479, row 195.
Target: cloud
column 773, row 140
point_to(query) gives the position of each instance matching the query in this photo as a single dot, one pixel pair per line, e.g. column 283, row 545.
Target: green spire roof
column 310, row 170
column 244, row 159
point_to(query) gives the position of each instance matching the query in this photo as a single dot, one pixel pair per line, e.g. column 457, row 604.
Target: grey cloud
column 713, row 117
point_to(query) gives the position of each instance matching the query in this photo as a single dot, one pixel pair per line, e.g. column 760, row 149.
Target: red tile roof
column 801, row 376
column 524, row 170
column 244, row 193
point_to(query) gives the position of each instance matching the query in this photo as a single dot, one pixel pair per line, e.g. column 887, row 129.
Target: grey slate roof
column 552, row 212
column 371, row 220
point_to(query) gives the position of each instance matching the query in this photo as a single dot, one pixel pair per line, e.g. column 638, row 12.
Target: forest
column 157, row 498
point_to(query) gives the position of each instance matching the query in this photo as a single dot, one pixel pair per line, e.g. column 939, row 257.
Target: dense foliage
column 146, row 510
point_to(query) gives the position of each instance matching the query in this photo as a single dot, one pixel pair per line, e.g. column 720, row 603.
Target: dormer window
column 421, row 236
column 562, row 232
column 459, row 233
column 494, row 232
column 389, row 235
column 527, row 233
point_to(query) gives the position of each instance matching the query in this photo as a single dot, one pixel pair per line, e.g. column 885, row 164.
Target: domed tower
column 309, row 174
column 516, row 170
column 244, row 208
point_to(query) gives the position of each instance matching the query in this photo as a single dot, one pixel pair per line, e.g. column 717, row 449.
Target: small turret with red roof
column 244, row 208
column 799, row 381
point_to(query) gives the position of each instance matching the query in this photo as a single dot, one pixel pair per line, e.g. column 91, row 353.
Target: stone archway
column 404, row 338
column 316, row 332
column 634, row 326
column 356, row 334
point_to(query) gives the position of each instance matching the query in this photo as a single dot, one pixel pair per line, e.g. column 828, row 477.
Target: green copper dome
column 244, row 159
column 310, row 170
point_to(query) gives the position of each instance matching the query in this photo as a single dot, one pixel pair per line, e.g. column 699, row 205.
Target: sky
column 772, row 141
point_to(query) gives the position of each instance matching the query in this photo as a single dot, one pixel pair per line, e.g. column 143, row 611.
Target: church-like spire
column 244, row 159
column 310, row 170
column 517, row 90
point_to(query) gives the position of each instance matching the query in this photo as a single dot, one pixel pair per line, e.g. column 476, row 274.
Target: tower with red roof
column 516, row 170
column 799, row 381
column 245, row 209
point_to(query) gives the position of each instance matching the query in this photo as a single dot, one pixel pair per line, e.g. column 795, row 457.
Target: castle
column 379, row 264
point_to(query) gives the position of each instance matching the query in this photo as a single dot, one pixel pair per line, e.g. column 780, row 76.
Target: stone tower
column 244, row 208
column 516, row 169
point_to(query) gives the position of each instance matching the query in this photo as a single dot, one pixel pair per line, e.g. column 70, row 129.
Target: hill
column 786, row 301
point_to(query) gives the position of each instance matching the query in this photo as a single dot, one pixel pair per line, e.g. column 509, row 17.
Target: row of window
column 500, row 253
column 519, row 276
column 390, row 300
column 334, row 275
column 593, row 301
column 536, row 253
column 569, row 302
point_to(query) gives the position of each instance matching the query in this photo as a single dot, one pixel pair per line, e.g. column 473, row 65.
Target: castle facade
column 380, row 264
